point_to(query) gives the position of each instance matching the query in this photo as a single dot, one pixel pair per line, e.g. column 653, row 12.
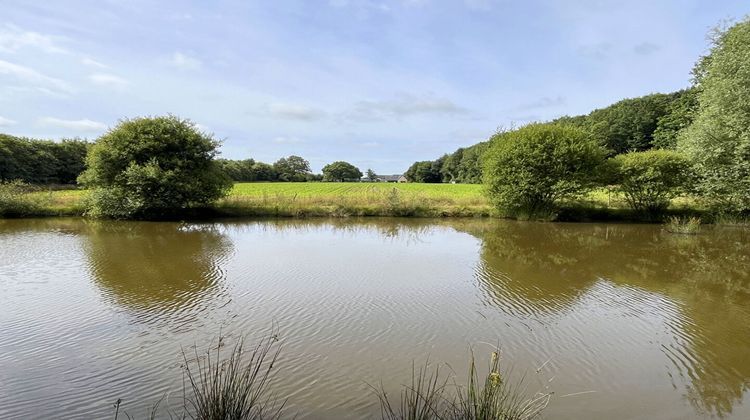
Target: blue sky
column 375, row 82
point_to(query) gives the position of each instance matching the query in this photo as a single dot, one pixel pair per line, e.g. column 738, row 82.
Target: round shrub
column 528, row 170
column 651, row 179
column 153, row 167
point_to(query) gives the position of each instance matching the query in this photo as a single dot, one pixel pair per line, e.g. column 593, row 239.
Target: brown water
column 626, row 321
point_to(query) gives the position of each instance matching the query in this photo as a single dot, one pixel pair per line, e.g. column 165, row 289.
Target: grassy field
column 355, row 199
column 310, row 199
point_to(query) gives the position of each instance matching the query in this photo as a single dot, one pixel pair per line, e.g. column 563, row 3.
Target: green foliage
column 628, row 125
column 247, row 170
column 680, row 114
column 371, row 175
column 718, row 141
column 292, row 169
column 463, row 166
column 650, row 179
column 41, row 161
column 341, row 171
column 151, row 167
column 424, row 171
column 529, row 169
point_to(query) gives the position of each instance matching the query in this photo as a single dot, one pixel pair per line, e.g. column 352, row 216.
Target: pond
column 619, row 321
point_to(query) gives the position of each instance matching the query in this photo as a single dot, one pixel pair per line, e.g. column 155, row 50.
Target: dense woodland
column 41, row 161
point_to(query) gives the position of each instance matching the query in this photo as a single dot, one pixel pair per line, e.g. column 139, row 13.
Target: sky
column 378, row 83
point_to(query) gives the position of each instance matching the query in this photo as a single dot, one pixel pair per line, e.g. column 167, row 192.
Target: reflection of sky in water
column 655, row 325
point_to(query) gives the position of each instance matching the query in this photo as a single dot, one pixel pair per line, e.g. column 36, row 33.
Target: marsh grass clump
column 233, row 386
column 491, row 397
column 683, row 225
column 422, row 400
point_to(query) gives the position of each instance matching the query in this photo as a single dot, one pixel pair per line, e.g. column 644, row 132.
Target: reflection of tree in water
column 548, row 266
column 156, row 267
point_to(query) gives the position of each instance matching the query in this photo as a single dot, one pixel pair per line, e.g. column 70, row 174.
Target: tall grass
column 490, row 397
column 683, row 225
column 16, row 200
column 424, row 399
column 235, row 387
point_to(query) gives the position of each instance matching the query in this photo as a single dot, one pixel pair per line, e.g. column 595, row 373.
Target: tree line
column 636, row 124
column 35, row 161
column 41, row 161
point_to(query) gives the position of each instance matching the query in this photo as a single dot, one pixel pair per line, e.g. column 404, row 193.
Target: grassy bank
column 323, row 199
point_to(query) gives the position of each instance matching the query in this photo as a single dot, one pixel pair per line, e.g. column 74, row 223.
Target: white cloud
column 405, row 106
column 185, row 62
column 32, row 76
column 76, row 125
column 5, row 122
column 93, row 63
column 288, row 140
column 13, row 38
column 108, row 80
column 294, row 111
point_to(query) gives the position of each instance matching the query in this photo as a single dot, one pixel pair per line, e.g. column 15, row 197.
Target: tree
column 679, row 116
column 652, row 178
column 371, row 175
column 263, row 172
column 152, row 167
column 424, row 171
column 341, row 171
column 528, row 170
column 718, row 141
column 628, row 125
column 292, row 169
column 449, row 170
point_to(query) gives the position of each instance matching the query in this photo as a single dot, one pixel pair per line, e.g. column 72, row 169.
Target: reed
column 683, row 225
column 233, row 386
column 489, row 397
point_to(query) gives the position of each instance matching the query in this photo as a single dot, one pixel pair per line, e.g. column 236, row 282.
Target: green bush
column 153, row 167
column 528, row 170
column 651, row 179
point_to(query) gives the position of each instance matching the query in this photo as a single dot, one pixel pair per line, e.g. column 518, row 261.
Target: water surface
column 625, row 321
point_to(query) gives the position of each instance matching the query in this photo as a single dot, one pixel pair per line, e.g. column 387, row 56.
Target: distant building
column 389, row 178
column 386, row 178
